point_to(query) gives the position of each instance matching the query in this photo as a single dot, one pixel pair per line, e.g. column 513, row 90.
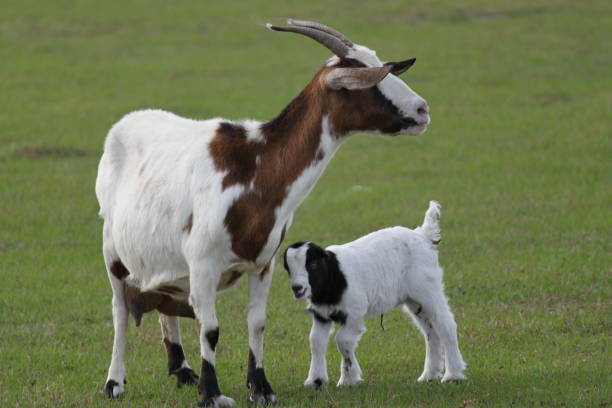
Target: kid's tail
column 431, row 224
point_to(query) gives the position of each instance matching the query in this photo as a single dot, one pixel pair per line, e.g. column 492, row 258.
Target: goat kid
column 372, row 275
column 190, row 206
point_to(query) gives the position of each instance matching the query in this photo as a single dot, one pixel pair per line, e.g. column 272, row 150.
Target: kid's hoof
column 113, row 389
column 429, row 377
column 316, row 383
column 349, row 382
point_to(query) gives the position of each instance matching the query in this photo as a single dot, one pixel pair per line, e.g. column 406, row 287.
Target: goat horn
column 321, row 27
column 334, row 44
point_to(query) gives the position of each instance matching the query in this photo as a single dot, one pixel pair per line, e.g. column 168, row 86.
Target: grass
column 518, row 154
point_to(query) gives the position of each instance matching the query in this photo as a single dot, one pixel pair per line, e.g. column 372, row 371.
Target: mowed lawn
column 518, row 154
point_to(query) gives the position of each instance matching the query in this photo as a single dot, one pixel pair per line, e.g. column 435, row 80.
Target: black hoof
column 185, row 376
column 261, row 391
column 263, row 398
column 217, row 401
column 109, row 387
column 206, row 402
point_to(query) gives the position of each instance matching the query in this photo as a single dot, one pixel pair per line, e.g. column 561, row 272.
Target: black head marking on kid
column 315, row 273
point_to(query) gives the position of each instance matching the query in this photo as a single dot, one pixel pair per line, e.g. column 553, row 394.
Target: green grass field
column 518, row 154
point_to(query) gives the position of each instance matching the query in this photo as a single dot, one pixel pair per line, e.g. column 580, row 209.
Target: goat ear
column 356, row 78
column 398, row 68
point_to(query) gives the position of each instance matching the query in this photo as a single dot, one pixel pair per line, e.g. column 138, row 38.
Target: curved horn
column 334, row 44
column 321, row 27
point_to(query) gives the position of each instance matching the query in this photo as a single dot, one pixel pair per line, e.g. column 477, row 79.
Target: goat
column 190, row 206
column 372, row 275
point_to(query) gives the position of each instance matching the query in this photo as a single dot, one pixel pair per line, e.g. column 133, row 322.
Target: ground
column 518, row 154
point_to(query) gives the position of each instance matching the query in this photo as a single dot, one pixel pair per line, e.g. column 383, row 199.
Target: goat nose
column 296, row 288
column 423, row 109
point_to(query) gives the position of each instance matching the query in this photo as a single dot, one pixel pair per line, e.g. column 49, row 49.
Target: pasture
column 518, row 153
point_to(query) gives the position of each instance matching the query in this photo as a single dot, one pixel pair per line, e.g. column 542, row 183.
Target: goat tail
column 431, row 224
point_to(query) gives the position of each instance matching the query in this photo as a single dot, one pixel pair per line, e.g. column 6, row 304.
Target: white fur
column 384, row 270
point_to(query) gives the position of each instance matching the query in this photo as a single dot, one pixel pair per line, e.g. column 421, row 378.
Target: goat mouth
column 411, row 127
column 410, row 122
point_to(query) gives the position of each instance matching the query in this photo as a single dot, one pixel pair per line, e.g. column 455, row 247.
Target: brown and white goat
column 190, row 206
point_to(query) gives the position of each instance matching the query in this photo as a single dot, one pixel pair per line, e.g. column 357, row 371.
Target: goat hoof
column 349, row 382
column 261, row 391
column 429, row 377
column 185, row 376
column 263, row 398
column 316, row 383
column 218, row 401
column 114, row 389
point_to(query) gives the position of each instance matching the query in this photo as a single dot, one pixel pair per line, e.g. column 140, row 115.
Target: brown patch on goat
column 189, row 224
column 250, row 220
column 234, row 153
column 139, row 303
column 119, row 270
column 291, row 143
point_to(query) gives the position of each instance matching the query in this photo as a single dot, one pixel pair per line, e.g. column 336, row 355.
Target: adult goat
column 190, row 206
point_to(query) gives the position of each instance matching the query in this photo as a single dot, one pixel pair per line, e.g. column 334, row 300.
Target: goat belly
column 170, row 298
column 139, row 303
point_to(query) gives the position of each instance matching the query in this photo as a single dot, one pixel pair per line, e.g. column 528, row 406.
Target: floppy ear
column 356, row 78
column 398, row 68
